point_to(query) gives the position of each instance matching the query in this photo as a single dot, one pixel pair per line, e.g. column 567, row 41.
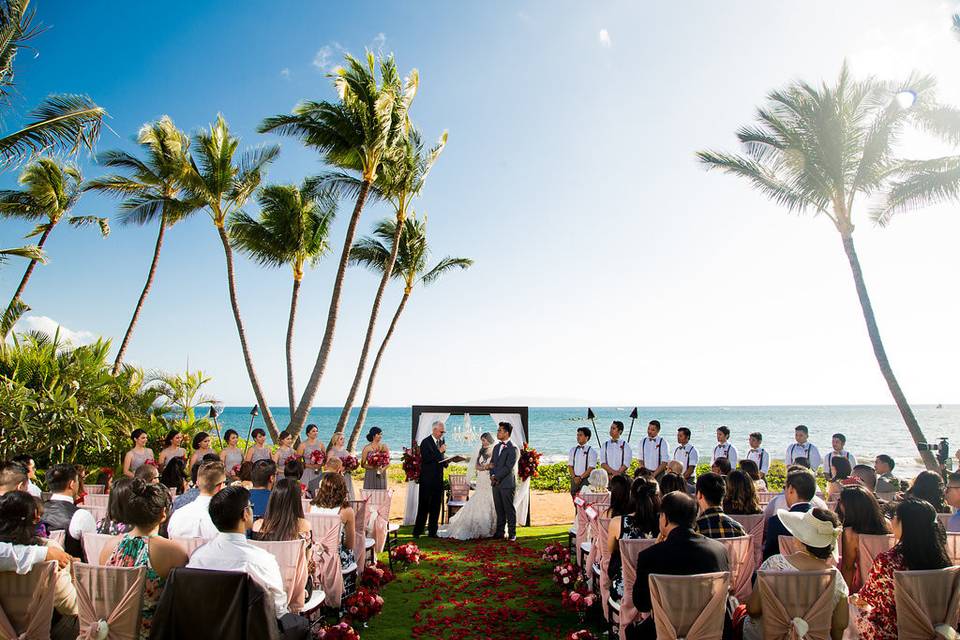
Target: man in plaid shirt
column 713, row 522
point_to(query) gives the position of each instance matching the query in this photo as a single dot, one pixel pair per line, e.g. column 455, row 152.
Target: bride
column 478, row 517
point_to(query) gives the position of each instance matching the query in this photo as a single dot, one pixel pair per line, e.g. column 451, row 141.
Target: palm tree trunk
column 358, row 426
column 247, row 359
column 371, row 326
column 143, row 295
column 33, row 263
column 908, row 418
column 289, row 346
column 310, row 392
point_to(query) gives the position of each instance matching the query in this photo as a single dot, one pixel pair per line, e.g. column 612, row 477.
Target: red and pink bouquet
column 339, row 631
column 292, row 458
column 375, row 576
column 411, row 463
column 582, row 634
column 579, row 599
column 565, row 575
column 408, row 554
column 350, row 462
column 529, row 461
column 556, row 553
column 362, row 605
column 235, row 470
column 151, row 462
column 317, row 457
column 379, row 460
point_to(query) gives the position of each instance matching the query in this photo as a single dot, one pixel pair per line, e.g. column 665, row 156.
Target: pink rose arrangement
column 411, row 463
column 529, row 462
column 362, row 605
column 582, row 634
column 408, row 554
column 556, row 553
column 375, row 576
column 339, row 631
column 317, row 457
column 379, row 460
column 578, row 599
column 350, row 462
column 565, row 575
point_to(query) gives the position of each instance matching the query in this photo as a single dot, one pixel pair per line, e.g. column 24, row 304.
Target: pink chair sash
column 26, row 603
column 604, row 568
column 379, row 502
column 742, row 558
column 99, row 512
column 928, row 603
column 291, row 555
column 96, row 500
column 94, row 489
column 360, row 531
column 689, row 606
column 57, row 536
column 797, row 605
column 953, row 547
column 326, row 549
column 599, row 528
column 189, row 544
column 597, row 500
column 629, row 550
column 93, row 544
column 869, row 547
column 110, row 597
column 754, row 525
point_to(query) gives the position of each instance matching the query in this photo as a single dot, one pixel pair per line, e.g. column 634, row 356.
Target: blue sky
column 609, row 267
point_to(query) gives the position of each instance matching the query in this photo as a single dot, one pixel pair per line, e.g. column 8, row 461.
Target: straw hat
column 809, row 529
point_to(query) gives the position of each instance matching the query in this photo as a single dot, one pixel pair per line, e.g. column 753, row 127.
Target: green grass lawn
column 478, row 589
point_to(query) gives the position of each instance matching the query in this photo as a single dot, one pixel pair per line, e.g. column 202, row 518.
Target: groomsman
column 686, row 454
column 616, row 456
column 803, row 449
column 583, row 460
column 758, row 454
column 724, row 449
column 654, row 451
column 839, row 442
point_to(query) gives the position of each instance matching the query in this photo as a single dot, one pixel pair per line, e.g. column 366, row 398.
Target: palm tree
column 819, row 148
column 294, row 228
column 180, row 394
column 223, row 186
column 411, row 267
column 65, row 121
column 152, row 194
column 355, row 134
column 51, row 189
column 400, row 181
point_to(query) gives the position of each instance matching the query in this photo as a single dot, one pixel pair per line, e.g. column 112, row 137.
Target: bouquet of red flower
column 556, row 553
column 339, row 631
column 107, row 471
column 350, row 462
column 151, row 462
column 375, row 576
column 411, row 463
column 579, row 599
column 565, row 575
column 362, row 605
column 379, row 460
column 529, row 461
column 406, row 553
column 317, row 457
column 235, row 470
column 582, row 634
column 289, row 459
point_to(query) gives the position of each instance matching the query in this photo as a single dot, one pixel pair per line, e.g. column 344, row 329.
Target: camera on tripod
column 942, row 450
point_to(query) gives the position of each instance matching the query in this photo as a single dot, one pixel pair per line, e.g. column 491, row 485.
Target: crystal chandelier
column 465, row 433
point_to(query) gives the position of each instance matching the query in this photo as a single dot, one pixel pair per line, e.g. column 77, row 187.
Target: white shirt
column 193, row 520
column 779, row 501
column 688, row 456
column 33, row 489
column 582, row 457
column 761, row 457
column 232, row 552
column 808, row 451
column 725, row 450
column 21, row 557
column 843, row 453
column 616, row 453
column 81, row 521
column 655, row 452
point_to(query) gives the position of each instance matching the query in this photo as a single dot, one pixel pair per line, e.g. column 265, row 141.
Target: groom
column 503, row 478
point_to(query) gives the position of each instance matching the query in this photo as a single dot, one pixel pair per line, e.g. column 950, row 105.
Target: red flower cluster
column 350, row 462
column 235, row 470
column 339, row 631
column 406, row 553
column 529, row 461
column 375, row 576
column 556, row 553
column 579, row 599
column 411, row 463
column 107, row 471
column 582, row 634
column 379, row 459
column 151, row 462
column 565, row 575
column 288, row 459
column 317, row 457
column 362, row 605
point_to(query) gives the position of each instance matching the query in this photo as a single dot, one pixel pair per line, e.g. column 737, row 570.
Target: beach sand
column 546, row 507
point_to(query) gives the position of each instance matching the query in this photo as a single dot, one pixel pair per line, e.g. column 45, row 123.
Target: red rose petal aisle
column 479, row 589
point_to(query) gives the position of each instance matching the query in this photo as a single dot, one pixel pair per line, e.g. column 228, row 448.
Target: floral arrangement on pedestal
column 406, row 554
column 565, row 575
column 411, row 461
column 556, row 553
column 379, row 460
column 529, row 461
column 376, row 576
column 317, row 457
column 350, row 462
column 339, row 631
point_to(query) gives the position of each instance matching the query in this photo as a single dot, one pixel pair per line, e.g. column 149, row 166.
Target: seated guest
column 293, row 468
column 643, row 522
column 60, row 512
column 860, row 514
column 818, row 531
column 148, row 473
column 13, row 477
column 802, row 462
column 750, row 468
column 174, row 475
column 671, row 481
column 263, row 475
column 619, row 496
column 840, row 470
column 331, row 499
column 921, row 544
column 193, row 520
column 713, row 522
column 27, row 461
column 928, row 485
column 145, row 507
column 798, row 493
column 643, row 472
column 741, row 498
column 779, row 501
column 721, row 467
column 115, row 522
column 245, row 475
column 867, row 476
column 330, row 465
column 952, row 497
column 191, row 494
column 683, row 552
column 886, row 481
column 105, row 478
column 284, row 516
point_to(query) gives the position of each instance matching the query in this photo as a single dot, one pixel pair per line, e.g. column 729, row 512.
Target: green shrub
column 551, row 477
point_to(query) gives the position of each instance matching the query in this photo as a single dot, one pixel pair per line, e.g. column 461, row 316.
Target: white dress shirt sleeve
column 815, row 459
column 82, row 521
column 20, row 558
column 572, row 459
column 764, row 462
column 603, row 453
column 267, row 572
column 732, row 456
column 664, row 451
column 627, row 455
column 592, row 458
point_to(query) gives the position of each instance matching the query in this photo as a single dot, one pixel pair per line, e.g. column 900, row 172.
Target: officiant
column 433, row 461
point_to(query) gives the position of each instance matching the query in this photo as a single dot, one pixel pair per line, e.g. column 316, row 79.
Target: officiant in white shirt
column 616, row 455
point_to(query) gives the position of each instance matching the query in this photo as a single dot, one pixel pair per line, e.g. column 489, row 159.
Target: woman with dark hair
column 171, row 448
column 860, row 514
column 921, row 544
column 306, row 449
column 245, row 477
column 230, row 455
column 620, row 504
column 258, row 451
column 840, row 470
column 750, row 468
column 928, row 485
column 174, row 475
column 671, row 481
column 331, row 499
column 294, row 470
column 741, row 497
column 147, row 506
column 115, row 523
column 201, row 447
column 642, row 523
column 148, row 473
column 285, row 449
column 374, row 478
column 137, row 456
column 283, row 519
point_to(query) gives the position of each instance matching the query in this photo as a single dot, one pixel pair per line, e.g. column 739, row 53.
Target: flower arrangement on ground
column 411, row 463
column 339, row 631
column 379, row 460
column 556, row 553
column 408, row 554
column 350, row 462
column 317, row 457
column 362, row 605
column 582, row 634
column 375, row 576
column 529, row 461
column 578, row 599
column 565, row 575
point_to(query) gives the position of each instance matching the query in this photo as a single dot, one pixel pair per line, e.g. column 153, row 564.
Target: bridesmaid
column 258, row 451
column 231, row 456
column 374, row 478
column 135, row 458
column 201, row 447
column 306, row 449
column 285, row 450
column 338, row 450
column 171, row 448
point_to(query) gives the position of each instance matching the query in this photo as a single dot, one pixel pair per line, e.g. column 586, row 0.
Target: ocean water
column 869, row 429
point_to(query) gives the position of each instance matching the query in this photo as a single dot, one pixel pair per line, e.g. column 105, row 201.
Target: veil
column 485, row 451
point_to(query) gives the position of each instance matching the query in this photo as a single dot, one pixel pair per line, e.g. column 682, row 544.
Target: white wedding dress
column 478, row 517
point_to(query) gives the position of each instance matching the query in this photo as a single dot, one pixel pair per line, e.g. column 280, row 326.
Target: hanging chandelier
column 465, row 432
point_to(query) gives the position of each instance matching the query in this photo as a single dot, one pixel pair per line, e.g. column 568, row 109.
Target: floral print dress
column 134, row 551
column 880, row 622
column 629, row 530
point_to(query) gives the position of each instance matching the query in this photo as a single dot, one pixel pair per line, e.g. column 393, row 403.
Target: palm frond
column 941, row 121
column 10, row 316
column 347, row 187
column 16, row 28
column 927, row 182
column 763, row 180
column 445, row 265
column 31, row 252
column 86, row 221
column 370, row 254
column 63, row 121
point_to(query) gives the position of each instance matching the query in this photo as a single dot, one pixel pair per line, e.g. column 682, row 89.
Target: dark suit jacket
column 431, row 469
column 683, row 553
column 775, row 529
column 504, row 460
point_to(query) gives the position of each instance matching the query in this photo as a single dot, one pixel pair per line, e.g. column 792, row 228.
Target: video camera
column 942, row 450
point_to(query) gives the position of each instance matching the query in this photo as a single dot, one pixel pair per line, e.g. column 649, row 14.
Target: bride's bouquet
column 411, row 464
column 556, row 553
column 565, row 575
column 529, row 461
column 350, row 462
column 379, row 460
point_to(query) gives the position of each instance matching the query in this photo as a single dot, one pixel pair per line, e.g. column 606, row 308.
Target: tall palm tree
column 819, row 148
column 355, row 134
column 400, row 181
column 64, row 121
column 223, row 186
column 51, row 189
column 152, row 195
column 294, row 229
column 411, row 267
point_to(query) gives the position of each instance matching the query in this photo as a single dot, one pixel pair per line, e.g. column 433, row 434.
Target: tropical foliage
column 179, row 395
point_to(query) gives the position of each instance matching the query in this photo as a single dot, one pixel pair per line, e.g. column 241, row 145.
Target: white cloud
column 379, row 41
column 49, row 326
column 604, row 37
column 323, row 57
column 285, row 72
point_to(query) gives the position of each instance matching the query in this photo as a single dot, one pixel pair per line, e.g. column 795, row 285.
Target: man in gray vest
column 60, row 512
column 503, row 477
